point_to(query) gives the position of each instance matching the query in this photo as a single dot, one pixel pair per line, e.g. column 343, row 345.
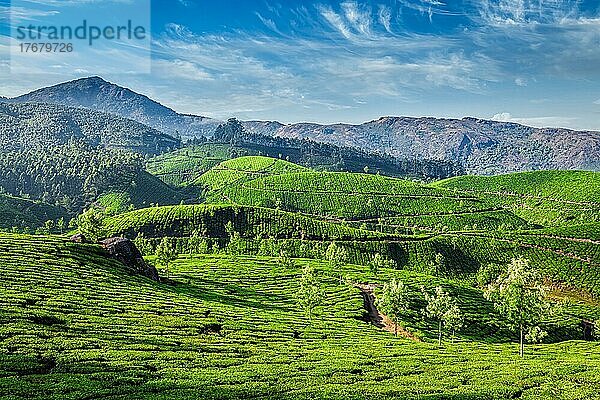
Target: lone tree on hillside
column 443, row 309
column 378, row 262
column 91, row 223
column 336, row 255
column 284, row 261
column 454, row 319
column 519, row 296
column 166, row 254
column 439, row 264
column 394, row 301
column 310, row 294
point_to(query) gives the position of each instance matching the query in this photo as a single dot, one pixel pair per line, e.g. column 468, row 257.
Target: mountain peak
column 94, row 78
column 95, row 93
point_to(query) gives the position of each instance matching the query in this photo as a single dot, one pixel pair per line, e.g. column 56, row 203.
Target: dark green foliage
column 211, row 220
column 23, row 213
column 44, row 126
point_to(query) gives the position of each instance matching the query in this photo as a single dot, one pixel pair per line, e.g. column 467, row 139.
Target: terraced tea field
column 548, row 198
column 226, row 320
column 75, row 325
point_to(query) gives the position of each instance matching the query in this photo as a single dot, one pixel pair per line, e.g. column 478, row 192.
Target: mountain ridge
column 97, row 94
column 481, row 146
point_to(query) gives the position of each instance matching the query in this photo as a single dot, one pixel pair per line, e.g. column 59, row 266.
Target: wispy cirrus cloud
column 357, row 59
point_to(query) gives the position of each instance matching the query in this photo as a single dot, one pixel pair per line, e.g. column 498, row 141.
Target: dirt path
column 378, row 319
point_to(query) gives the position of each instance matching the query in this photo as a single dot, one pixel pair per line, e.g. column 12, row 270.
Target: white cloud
column 181, row 69
column 597, row 102
column 336, row 21
column 359, row 18
column 21, row 14
column 385, row 18
column 538, row 122
column 522, row 82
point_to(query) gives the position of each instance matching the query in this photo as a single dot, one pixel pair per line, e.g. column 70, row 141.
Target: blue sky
column 529, row 61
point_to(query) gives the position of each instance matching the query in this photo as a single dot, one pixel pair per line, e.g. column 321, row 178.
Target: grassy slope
column 369, row 198
column 148, row 189
column 17, row 212
column 578, row 186
column 184, row 166
column 544, row 197
column 74, row 326
column 244, row 169
column 143, row 191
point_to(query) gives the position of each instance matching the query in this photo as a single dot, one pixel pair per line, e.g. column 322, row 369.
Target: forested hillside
column 26, row 126
column 69, row 157
column 17, row 212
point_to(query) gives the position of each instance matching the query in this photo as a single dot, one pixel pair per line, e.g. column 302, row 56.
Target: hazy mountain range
column 482, row 147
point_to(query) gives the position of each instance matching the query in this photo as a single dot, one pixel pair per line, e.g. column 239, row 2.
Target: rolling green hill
column 184, row 166
column 243, row 169
column 544, row 197
column 75, row 325
column 561, row 186
column 353, row 197
column 210, row 221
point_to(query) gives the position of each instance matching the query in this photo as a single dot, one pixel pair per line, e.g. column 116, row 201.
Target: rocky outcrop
column 78, row 238
column 127, row 253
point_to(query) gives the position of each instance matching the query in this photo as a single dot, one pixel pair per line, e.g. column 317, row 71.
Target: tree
column 378, row 262
column 454, row 319
column 309, row 294
column 91, row 223
column 166, row 254
column 440, row 263
column 49, row 225
column 234, row 247
column 336, row 256
column 394, row 301
column 284, row 261
column 519, row 296
column 60, row 225
column 443, row 309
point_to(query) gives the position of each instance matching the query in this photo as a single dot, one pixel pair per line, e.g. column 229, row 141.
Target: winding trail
column 378, row 319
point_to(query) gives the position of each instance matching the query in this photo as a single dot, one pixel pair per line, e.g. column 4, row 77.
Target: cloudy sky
column 531, row 61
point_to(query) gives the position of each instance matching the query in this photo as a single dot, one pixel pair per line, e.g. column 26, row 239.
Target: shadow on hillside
column 226, row 293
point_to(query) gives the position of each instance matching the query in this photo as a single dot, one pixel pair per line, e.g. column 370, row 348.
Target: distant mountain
column 482, row 147
column 23, row 126
column 97, row 94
